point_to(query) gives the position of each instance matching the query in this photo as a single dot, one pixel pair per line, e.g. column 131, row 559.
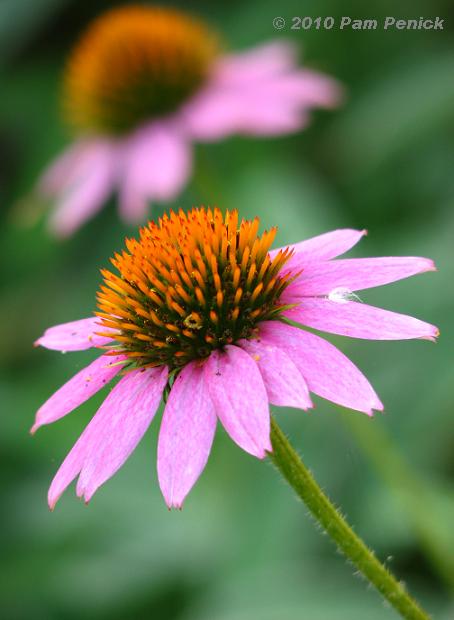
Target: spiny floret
column 191, row 283
column 135, row 63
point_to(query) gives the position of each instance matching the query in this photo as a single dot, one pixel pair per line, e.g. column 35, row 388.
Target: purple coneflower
column 144, row 83
column 200, row 312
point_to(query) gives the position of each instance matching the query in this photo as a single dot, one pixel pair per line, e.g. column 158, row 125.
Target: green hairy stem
column 290, row 465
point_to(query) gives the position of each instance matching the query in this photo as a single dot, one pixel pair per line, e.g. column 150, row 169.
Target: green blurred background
column 242, row 548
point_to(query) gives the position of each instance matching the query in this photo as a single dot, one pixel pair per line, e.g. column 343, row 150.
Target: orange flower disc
column 191, row 283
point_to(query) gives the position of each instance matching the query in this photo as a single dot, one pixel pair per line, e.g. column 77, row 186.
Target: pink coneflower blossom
column 144, row 83
column 199, row 312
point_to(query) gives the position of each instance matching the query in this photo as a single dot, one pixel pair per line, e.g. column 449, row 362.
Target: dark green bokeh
column 242, row 548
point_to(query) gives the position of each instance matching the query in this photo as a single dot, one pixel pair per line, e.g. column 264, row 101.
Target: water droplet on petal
column 342, row 295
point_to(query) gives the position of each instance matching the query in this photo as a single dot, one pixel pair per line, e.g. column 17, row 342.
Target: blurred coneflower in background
column 141, row 85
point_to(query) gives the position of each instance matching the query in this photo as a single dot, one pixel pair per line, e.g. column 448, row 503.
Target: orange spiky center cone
column 193, row 282
column 133, row 64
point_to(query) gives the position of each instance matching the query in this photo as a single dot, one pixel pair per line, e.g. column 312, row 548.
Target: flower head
column 141, row 85
column 191, row 284
column 134, row 64
column 200, row 311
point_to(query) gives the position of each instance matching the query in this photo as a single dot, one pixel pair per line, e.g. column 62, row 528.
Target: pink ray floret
column 279, row 364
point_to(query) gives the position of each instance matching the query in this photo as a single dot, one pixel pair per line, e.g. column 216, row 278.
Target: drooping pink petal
column 86, row 188
column 283, row 381
column 278, row 117
column 359, row 320
column 264, row 61
column 79, row 389
column 74, row 336
column 220, row 109
column 305, row 88
column 232, row 101
column 64, row 169
column 323, row 247
column 237, row 390
column 124, row 417
column 186, row 435
column 69, row 469
column 157, row 163
column 215, row 114
column 274, row 66
column 327, row 371
column 355, row 274
column 112, row 434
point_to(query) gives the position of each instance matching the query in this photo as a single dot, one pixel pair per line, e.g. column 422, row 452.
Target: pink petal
column 305, row 88
column 239, row 396
column 232, row 101
column 74, row 336
column 328, row 372
column 79, row 389
column 157, row 164
column 69, row 469
column 359, row 320
column 215, row 114
column 86, row 188
column 65, row 169
column 323, row 247
column 217, row 111
column 273, row 68
column 355, row 274
column 186, row 435
column 112, row 434
column 124, row 417
column 272, row 58
column 283, row 381
column 276, row 118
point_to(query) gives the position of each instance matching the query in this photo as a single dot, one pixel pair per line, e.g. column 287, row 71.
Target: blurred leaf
column 396, row 110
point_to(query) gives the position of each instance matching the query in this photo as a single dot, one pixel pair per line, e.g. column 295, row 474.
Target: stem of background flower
column 303, row 483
